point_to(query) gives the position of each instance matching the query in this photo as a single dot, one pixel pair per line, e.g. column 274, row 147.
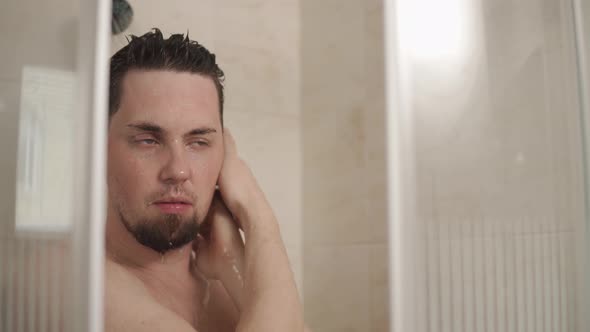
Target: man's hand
column 220, row 250
column 239, row 189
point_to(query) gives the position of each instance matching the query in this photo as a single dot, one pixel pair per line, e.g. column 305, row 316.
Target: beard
column 163, row 233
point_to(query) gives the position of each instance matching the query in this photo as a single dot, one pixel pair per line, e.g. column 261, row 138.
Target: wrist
column 256, row 216
column 251, row 207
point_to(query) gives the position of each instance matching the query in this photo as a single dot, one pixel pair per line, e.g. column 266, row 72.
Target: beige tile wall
column 344, row 223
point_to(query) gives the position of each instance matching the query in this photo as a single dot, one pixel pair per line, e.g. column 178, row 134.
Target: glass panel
column 43, row 129
column 494, row 212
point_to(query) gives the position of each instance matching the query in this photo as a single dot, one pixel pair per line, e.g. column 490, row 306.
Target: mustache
column 173, row 191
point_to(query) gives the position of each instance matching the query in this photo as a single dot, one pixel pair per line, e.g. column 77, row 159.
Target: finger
column 214, row 208
column 198, row 243
column 219, row 209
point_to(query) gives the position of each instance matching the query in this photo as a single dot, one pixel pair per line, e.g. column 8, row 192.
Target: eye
column 199, row 142
column 147, row 141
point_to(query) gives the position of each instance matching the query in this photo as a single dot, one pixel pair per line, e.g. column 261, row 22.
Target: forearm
column 232, row 277
column 271, row 300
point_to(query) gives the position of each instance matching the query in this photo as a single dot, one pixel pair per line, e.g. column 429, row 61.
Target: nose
column 176, row 170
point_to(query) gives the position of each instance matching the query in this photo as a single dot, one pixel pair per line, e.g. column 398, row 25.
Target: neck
column 168, row 277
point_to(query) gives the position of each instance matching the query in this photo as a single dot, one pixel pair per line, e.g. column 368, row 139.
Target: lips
column 173, row 200
column 173, row 205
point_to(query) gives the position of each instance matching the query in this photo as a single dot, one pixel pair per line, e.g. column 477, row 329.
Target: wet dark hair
column 152, row 52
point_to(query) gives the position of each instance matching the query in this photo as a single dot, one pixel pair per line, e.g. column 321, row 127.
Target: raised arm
column 258, row 276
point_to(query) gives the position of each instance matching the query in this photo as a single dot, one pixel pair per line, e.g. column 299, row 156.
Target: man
column 175, row 260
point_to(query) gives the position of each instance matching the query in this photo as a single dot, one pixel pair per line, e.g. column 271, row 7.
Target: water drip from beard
column 164, row 235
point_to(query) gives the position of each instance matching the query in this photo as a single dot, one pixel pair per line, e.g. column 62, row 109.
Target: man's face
column 165, row 152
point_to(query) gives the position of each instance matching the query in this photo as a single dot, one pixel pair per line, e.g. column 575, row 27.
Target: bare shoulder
column 129, row 307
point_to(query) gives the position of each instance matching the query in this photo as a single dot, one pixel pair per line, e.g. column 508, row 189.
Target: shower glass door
column 52, row 122
column 489, row 211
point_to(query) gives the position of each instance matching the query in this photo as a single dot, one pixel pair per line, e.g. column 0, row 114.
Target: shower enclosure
column 53, row 83
column 488, row 138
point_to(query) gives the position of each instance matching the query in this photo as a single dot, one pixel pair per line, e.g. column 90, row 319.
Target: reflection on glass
column 44, row 153
column 436, row 30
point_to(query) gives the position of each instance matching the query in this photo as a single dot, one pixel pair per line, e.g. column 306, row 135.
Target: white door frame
column 90, row 170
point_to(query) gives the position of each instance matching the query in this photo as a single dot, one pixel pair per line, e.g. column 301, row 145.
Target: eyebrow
column 201, row 131
column 146, row 126
column 153, row 128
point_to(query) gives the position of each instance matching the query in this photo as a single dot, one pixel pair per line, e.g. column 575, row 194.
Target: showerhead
column 122, row 16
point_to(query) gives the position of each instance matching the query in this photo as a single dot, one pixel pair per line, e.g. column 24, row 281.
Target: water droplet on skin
column 162, row 259
column 226, row 253
column 238, row 274
column 207, row 294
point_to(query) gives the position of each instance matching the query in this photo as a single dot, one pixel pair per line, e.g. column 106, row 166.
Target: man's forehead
column 169, row 125
column 167, row 97
column 163, row 85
